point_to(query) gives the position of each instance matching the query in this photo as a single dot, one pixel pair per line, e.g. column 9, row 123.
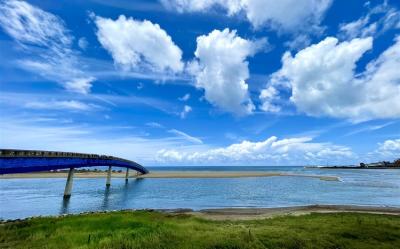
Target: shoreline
column 167, row 174
column 264, row 213
column 351, row 167
column 179, row 229
column 237, row 214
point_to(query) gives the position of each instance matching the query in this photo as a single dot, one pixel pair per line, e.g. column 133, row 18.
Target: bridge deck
column 24, row 161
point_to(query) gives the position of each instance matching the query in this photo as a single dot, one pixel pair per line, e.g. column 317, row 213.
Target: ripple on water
column 31, row 197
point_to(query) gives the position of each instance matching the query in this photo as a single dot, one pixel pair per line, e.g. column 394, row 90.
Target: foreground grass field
column 145, row 229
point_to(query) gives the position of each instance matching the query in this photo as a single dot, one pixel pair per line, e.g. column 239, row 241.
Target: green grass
column 145, row 229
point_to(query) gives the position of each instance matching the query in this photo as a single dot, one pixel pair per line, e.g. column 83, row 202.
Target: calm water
column 32, row 197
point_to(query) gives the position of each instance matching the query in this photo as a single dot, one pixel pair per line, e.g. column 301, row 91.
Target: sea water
column 20, row 198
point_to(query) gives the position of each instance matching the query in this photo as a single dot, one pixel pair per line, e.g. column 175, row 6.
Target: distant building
column 381, row 164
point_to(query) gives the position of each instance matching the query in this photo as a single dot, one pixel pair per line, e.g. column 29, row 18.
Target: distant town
column 376, row 165
column 384, row 164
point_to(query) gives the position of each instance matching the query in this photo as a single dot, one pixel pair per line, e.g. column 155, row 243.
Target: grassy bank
column 144, row 229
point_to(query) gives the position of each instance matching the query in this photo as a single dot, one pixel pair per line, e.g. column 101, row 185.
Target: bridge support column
column 68, row 185
column 126, row 174
column 108, row 182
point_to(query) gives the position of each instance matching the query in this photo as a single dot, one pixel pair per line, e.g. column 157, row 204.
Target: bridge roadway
column 25, row 161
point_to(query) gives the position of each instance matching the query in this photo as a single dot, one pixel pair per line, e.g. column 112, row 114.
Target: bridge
column 25, row 161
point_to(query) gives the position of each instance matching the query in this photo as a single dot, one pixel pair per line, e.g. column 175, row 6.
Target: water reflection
column 21, row 198
column 105, row 203
column 65, row 206
column 117, row 196
column 128, row 192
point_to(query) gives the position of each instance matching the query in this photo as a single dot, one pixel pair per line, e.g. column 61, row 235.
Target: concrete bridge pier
column 127, row 175
column 68, row 185
column 108, row 182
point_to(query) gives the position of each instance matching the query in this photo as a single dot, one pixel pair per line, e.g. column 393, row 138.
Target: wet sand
column 228, row 174
column 263, row 213
column 169, row 174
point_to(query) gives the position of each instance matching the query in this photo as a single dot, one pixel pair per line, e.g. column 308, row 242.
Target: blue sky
column 215, row 82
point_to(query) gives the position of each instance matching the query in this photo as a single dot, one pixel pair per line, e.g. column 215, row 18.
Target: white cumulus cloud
column 46, row 42
column 221, row 69
column 135, row 44
column 390, row 145
column 286, row 15
column 387, row 150
column 322, row 81
column 298, row 151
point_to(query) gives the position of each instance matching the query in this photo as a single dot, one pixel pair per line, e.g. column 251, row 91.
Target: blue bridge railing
column 25, row 161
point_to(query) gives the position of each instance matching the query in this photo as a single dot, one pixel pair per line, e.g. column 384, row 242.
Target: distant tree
column 397, row 163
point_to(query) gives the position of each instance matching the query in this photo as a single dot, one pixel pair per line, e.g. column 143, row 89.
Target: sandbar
column 169, row 174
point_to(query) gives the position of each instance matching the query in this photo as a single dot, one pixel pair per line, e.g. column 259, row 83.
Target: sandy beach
column 169, row 174
column 263, row 213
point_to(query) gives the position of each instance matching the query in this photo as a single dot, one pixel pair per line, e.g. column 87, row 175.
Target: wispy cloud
column 106, row 70
column 185, row 111
column 62, row 105
column 378, row 20
column 284, row 16
column 93, row 102
column 151, row 102
column 23, row 133
column 233, row 137
column 185, row 97
column 154, row 125
column 179, row 134
column 140, row 5
column 368, row 128
column 47, row 45
column 83, row 43
column 186, row 136
column 55, row 102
